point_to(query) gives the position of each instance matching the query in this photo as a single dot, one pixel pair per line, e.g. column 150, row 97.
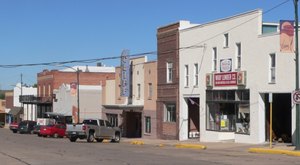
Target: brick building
column 47, row 81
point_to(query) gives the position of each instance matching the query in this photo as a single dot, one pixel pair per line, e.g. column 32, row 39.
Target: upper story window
column 238, row 55
column 169, row 72
column 138, row 91
column 186, row 75
column 196, row 74
column 226, row 40
column 150, row 91
column 272, row 68
column 214, row 59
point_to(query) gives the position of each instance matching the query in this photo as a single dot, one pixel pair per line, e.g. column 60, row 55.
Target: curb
column 137, row 142
column 191, row 146
column 274, row 151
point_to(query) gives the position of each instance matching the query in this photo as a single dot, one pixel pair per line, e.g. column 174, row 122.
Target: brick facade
column 167, row 45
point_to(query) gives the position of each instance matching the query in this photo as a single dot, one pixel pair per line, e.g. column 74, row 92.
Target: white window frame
column 272, row 71
column 196, row 75
column 138, row 91
column 214, row 58
column 170, row 112
column 226, row 40
column 150, row 91
column 238, row 56
column 169, row 72
column 186, row 75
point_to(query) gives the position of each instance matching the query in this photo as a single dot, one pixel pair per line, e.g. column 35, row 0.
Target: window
column 238, row 55
column 186, row 75
column 214, row 59
column 150, row 90
column 226, row 40
column 113, row 119
column 44, row 90
column 148, row 124
column 170, row 113
column 169, row 72
column 49, row 90
column 138, row 91
column 196, row 74
column 272, row 68
column 228, row 110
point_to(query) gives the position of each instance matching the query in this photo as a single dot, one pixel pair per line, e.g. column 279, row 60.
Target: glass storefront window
column 225, row 112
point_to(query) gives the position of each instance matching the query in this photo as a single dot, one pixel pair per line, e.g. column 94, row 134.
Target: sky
column 41, row 31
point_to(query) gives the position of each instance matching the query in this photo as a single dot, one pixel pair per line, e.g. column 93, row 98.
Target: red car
column 14, row 127
column 56, row 130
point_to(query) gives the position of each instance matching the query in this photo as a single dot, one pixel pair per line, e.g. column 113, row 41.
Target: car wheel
column 55, row 135
column 91, row 138
column 39, row 135
column 73, row 139
column 99, row 140
column 15, row 131
column 117, row 138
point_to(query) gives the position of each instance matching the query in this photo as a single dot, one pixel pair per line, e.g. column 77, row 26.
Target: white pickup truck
column 93, row 129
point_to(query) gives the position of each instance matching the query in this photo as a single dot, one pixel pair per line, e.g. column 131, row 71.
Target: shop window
column 170, row 113
column 148, row 124
column 228, row 110
column 113, row 119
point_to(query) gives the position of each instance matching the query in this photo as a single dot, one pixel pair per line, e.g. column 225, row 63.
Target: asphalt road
column 22, row 149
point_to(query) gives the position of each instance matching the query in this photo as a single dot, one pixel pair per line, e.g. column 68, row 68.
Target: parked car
column 14, row 127
column 92, row 129
column 36, row 130
column 26, row 126
column 56, row 130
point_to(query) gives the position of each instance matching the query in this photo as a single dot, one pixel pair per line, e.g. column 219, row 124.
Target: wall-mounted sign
column 225, row 65
column 225, row 79
column 125, row 74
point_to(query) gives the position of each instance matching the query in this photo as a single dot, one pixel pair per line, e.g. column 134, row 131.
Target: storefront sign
column 125, row 73
column 225, row 79
column 225, row 65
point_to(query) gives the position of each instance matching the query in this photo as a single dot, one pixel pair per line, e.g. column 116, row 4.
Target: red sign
column 225, row 79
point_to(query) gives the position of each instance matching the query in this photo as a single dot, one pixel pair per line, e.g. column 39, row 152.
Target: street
column 23, row 149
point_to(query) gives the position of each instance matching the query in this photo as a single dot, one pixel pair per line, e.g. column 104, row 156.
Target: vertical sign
column 125, row 73
column 287, row 36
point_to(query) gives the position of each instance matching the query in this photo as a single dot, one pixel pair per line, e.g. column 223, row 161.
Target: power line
column 198, row 45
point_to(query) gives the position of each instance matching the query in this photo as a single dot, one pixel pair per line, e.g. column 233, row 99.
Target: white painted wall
column 29, row 109
column 245, row 29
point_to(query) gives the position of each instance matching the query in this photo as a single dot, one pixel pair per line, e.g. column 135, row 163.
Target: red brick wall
column 167, row 45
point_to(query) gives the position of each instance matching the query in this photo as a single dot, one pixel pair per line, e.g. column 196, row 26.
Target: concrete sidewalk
column 277, row 148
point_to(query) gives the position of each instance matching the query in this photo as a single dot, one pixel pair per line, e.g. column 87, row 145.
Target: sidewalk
column 277, row 148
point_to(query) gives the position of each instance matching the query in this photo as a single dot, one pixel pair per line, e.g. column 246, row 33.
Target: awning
column 1, row 111
column 129, row 107
column 15, row 111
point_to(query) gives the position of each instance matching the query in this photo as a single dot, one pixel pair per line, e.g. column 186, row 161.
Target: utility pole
column 78, row 117
column 20, row 100
column 297, row 77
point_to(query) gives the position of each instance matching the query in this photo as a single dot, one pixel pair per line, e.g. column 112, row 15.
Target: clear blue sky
column 37, row 31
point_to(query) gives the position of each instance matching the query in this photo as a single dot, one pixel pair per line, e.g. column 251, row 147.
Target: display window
column 228, row 111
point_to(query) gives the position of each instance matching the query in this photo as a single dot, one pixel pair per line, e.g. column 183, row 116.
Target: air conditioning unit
column 241, row 78
column 209, row 80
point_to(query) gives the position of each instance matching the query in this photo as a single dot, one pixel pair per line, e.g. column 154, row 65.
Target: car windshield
column 23, row 123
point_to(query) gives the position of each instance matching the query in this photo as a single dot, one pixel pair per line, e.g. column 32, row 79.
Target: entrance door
column 282, row 120
column 134, row 124
column 193, row 117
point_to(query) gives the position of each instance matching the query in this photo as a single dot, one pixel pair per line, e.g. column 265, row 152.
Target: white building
column 29, row 109
column 90, row 101
column 228, row 75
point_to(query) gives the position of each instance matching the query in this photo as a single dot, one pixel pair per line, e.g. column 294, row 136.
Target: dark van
column 26, row 126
